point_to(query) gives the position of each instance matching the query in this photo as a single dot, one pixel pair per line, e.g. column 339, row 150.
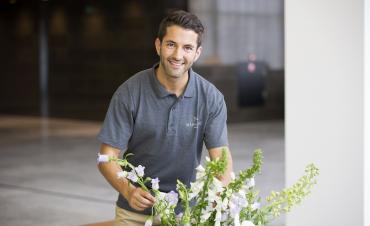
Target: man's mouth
column 175, row 63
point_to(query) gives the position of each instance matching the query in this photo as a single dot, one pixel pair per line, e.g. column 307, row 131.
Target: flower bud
column 102, row 158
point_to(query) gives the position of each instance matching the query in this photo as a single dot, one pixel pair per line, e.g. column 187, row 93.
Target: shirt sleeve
column 118, row 123
column 216, row 128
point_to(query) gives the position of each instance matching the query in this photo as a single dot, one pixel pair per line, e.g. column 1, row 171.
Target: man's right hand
column 139, row 199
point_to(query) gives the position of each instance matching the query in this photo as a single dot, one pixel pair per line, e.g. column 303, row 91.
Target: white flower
column 206, row 212
column 247, row 223
column 140, row 170
column 232, row 175
column 208, row 159
column 122, row 174
column 236, row 220
column 237, row 203
column 218, row 216
column 205, row 216
column 212, row 196
column 251, row 182
column 149, row 222
column 224, row 203
column 224, row 216
column 244, row 188
column 218, row 186
column 200, row 168
column 132, row 176
column 102, row 158
column 255, row 205
column 196, row 188
column 201, row 172
column 155, row 183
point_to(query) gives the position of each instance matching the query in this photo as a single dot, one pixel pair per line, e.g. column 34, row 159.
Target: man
column 163, row 115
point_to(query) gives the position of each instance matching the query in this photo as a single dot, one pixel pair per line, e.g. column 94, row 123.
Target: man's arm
column 216, row 153
column 137, row 197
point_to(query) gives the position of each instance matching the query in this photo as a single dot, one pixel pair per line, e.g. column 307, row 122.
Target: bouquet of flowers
column 207, row 202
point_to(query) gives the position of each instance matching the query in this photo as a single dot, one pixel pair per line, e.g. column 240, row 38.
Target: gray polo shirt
column 164, row 132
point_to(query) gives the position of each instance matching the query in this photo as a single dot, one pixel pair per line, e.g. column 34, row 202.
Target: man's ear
column 157, row 44
column 197, row 53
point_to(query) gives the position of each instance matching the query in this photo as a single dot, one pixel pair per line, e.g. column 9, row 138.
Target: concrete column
column 366, row 161
column 327, row 108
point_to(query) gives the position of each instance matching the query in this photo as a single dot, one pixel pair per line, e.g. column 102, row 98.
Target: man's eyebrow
column 189, row 45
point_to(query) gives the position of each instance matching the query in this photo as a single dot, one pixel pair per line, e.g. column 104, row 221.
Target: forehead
column 181, row 35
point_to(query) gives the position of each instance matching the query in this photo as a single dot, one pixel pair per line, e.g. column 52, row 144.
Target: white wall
column 325, row 75
column 367, row 115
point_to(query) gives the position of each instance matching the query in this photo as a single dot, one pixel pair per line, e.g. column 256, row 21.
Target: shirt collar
column 162, row 92
column 190, row 87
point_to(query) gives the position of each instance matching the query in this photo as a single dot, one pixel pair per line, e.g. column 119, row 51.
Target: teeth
column 175, row 63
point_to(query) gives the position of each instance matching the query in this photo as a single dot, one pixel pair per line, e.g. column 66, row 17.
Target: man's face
column 177, row 51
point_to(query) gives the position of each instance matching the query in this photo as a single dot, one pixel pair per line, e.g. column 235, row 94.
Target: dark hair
column 183, row 19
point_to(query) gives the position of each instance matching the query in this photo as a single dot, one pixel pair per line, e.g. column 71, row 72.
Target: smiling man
column 163, row 115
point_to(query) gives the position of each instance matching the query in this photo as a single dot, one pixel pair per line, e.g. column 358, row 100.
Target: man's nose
column 178, row 54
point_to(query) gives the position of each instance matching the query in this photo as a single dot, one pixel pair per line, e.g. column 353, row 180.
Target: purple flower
column 155, row 183
column 122, row 174
column 140, row 170
column 237, row 203
column 132, row 176
column 102, row 158
column 172, row 198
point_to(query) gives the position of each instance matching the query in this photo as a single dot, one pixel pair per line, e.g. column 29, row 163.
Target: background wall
column 366, row 160
column 93, row 46
column 325, row 108
column 238, row 28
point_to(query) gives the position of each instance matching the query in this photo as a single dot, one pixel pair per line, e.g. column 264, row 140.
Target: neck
column 172, row 84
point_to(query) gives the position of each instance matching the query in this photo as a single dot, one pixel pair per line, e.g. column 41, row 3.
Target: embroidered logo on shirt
column 195, row 123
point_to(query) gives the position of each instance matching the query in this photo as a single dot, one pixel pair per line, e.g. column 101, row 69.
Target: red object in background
column 251, row 67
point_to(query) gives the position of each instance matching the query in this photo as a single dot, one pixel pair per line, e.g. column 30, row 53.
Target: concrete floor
column 48, row 173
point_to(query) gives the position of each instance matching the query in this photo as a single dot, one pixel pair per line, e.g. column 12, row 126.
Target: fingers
column 140, row 199
column 148, row 196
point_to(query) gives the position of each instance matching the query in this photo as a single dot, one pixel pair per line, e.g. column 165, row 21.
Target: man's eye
column 189, row 49
column 170, row 45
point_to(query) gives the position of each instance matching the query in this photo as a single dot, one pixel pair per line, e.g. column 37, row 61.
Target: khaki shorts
column 129, row 218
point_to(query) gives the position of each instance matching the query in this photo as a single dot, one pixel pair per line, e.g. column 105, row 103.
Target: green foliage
column 284, row 201
column 213, row 169
column 247, row 173
column 207, row 210
column 184, row 197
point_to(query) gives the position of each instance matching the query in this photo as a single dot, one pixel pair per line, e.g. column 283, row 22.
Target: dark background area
column 93, row 46
column 87, row 59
